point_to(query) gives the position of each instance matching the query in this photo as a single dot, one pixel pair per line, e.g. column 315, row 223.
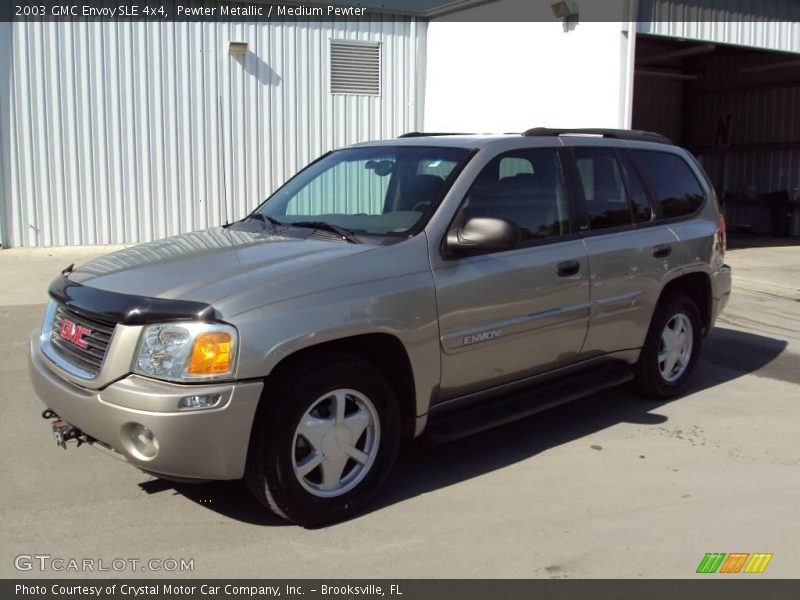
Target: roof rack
column 636, row 135
column 413, row 134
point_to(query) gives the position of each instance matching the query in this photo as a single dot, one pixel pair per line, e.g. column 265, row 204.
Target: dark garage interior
column 738, row 110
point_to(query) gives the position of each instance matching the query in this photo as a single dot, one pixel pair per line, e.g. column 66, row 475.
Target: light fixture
column 564, row 8
column 143, row 442
column 237, row 47
column 198, row 401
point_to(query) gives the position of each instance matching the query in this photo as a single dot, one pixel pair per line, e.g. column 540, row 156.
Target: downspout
column 420, row 72
column 628, row 70
column 6, row 49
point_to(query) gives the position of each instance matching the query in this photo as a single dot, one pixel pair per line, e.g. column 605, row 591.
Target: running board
column 458, row 423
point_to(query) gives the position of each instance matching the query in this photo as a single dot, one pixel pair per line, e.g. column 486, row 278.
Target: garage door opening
column 738, row 110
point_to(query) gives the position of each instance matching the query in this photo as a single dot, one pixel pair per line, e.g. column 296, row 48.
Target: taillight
column 722, row 238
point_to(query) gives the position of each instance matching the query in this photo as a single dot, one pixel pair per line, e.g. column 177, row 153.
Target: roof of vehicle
column 539, row 136
column 461, row 140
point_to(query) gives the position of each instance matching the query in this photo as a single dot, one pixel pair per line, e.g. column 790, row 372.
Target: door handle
column 662, row 251
column 568, row 267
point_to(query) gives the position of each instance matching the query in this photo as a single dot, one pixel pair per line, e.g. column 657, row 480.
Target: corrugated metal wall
column 658, row 106
column 762, row 151
column 737, row 107
column 768, row 24
column 115, row 129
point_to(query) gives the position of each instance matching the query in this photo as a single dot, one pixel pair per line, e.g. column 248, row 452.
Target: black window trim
column 625, row 160
column 576, row 202
column 562, row 155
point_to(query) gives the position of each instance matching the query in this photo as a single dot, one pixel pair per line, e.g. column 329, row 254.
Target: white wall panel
column 115, row 134
column 514, row 76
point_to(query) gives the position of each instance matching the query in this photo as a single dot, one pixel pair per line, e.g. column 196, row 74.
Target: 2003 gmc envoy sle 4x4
column 434, row 284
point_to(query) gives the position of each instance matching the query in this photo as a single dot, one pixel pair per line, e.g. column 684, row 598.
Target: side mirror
column 484, row 233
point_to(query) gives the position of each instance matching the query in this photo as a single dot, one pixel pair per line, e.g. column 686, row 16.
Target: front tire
column 671, row 348
column 325, row 441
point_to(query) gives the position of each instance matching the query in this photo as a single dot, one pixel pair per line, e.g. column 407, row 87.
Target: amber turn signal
column 211, row 354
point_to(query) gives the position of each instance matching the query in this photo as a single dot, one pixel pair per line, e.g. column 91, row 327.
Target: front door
column 507, row 315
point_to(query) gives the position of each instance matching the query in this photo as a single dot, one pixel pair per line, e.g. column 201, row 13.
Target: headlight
column 187, row 351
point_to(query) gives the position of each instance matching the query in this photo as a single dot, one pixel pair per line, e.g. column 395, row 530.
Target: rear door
column 680, row 204
column 510, row 314
column 629, row 252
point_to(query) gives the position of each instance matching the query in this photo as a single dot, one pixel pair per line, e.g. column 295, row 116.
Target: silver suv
column 434, row 284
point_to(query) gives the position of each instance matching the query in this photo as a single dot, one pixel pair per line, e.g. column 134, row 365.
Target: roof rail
column 413, row 134
column 636, row 135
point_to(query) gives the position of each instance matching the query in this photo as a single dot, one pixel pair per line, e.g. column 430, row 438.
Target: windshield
column 379, row 190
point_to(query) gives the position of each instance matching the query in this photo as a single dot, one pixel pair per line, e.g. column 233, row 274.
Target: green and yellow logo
column 735, row 562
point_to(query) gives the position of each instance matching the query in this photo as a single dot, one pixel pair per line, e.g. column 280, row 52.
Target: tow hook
column 64, row 432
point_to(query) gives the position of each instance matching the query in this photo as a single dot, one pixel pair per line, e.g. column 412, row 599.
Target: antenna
column 224, row 169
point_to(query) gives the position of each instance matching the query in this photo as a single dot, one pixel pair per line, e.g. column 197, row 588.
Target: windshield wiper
column 345, row 233
column 264, row 219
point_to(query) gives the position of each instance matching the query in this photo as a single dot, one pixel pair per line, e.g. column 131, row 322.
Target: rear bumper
column 197, row 444
column 720, row 291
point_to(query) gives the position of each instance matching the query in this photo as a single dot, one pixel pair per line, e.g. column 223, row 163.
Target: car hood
column 209, row 266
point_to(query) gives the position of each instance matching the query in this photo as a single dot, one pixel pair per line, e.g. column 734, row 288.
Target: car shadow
column 424, row 467
column 739, row 241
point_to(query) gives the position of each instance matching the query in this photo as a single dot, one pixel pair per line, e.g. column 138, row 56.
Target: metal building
column 720, row 77
column 122, row 133
column 118, row 133
column 729, row 89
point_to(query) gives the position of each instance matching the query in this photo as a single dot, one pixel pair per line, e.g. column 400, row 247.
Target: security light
column 237, row 48
column 564, row 8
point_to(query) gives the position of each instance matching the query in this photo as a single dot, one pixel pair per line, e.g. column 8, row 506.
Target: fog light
column 199, row 401
column 143, row 440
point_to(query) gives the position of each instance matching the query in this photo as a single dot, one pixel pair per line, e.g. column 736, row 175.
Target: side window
column 642, row 211
column 524, row 186
column 603, row 187
column 676, row 189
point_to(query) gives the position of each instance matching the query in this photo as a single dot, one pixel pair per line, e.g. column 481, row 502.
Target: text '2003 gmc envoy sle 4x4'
column 436, row 284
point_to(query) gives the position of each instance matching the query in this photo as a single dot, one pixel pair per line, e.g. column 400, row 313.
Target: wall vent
column 355, row 67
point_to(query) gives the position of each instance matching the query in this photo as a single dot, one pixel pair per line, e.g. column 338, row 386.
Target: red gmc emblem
column 74, row 333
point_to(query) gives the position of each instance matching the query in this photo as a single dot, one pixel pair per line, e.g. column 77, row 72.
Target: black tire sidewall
column 275, row 439
column 650, row 379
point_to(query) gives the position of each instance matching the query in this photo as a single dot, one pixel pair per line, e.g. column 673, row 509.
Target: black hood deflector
column 127, row 309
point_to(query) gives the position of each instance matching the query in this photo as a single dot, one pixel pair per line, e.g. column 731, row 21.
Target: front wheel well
column 697, row 286
column 383, row 350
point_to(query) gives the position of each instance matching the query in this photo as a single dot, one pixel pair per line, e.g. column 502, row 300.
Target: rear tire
column 324, row 440
column 671, row 348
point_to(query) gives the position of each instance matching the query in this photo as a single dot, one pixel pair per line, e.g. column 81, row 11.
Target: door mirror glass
column 482, row 234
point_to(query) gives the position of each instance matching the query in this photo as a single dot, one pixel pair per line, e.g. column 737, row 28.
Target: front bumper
column 195, row 444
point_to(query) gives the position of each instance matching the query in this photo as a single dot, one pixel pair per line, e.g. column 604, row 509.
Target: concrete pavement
column 609, row 486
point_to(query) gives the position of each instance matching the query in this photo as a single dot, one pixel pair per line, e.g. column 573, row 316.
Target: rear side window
column 603, row 188
column 677, row 191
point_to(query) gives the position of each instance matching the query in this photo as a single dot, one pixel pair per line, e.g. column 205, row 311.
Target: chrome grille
column 91, row 357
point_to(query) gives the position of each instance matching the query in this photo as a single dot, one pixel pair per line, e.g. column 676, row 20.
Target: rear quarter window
column 676, row 189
